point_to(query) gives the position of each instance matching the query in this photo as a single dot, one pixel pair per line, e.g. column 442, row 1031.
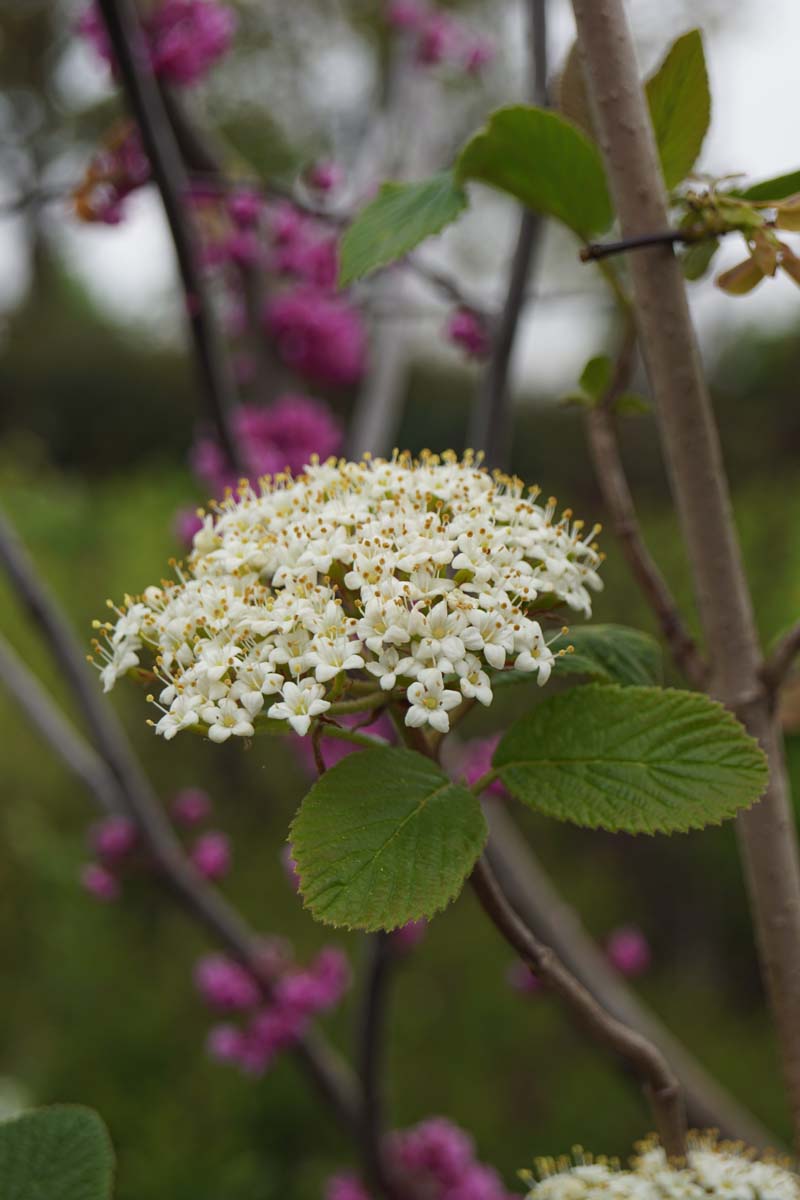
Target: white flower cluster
column 421, row 576
column 712, row 1169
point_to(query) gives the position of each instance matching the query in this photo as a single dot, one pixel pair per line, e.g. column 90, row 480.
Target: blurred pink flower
column 468, row 330
column 321, row 337
column 100, row 883
column 114, row 838
column 628, row 950
column 191, row 806
column 476, row 760
column 409, row 935
column 211, row 854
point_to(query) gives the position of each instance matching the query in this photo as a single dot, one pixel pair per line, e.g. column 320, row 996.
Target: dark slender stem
column 780, row 662
column 661, row 1086
column 138, row 800
column 147, row 105
column 372, row 1056
column 613, row 483
column 490, row 423
column 595, row 250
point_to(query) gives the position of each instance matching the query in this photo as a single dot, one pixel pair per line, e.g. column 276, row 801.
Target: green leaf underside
column 400, row 217
column 58, row 1153
column 383, row 838
column 772, row 189
column 544, row 161
column 680, row 106
column 608, row 653
column 637, row 759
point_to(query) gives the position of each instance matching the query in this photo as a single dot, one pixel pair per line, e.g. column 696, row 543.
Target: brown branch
column 56, row 730
column 551, row 919
column 490, row 422
column 147, row 105
column 593, row 251
column 767, row 835
column 613, row 483
column 139, row 801
column 371, row 1059
column 661, row 1085
column 780, row 662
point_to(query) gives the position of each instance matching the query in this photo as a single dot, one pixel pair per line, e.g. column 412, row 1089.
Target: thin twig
column 490, row 422
column 44, row 715
column 767, row 834
column 138, row 800
column 661, row 1085
column 371, row 1057
column 596, row 250
column 780, row 662
column 534, row 896
column 613, row 483
column 147, row 105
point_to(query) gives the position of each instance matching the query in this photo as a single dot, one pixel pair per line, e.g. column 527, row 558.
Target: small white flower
column 228, row 720
column 431, row 701
column 300, row 703
column 474, row 682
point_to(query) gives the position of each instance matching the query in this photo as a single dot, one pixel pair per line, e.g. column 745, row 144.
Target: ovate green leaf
column 543, row 160
column 680, row 106
column 398, row 219
column 58, row 1153
column 772, row 189
column 637, row 759
column 384, row 838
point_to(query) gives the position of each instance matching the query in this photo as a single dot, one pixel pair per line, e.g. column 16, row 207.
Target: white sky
column 752, row 66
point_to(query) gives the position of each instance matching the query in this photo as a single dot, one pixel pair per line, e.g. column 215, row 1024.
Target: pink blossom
column 114, row 838
column 345, row 1186
column 468, row 330
column 285, row 435
column 628, row 950
column 185, row 525
column 184, row 37
column 476, row 760
column 436, row 1148
column 333, row 750
column 224, row 984
column 290, row 867
column 436, row 38
column 245, row 207
column 211, row 855
column 405, row 14
column 478, row 55
column 324, row 176
column 190, row 806
column 478, row 1182
column 100, row 883
column 321, row 337
column 409, row 935
column 224, row 1043
column 523, row 980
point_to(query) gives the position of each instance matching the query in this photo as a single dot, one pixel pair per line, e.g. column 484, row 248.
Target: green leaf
column 608, row 653
column 680, row 106
column 696, row 257
column 398, row 219
column 543, row 160
column 637, row 759
column 384, row 838
column 58, row 1153
column 596, row 375
column 632, row 404
column 772, row 189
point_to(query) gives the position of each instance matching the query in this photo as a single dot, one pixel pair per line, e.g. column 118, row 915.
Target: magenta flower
column 185, row 37
column 100, row 883
column 211, row 854
column 113, row 838
column 225, row 985
column 628, row 950
column 467, row 330
column 321, row 337
column 191, row 806
column 476, row 760
column 405, row 14
column 478, row 55
column 345, row 1186
column 245, row 207
column 409, row 935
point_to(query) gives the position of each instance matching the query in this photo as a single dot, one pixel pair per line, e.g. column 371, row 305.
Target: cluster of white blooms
column 419, row 575
column 712, row 1169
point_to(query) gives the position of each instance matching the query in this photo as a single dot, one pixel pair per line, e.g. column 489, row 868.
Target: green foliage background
column 98, row 1005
